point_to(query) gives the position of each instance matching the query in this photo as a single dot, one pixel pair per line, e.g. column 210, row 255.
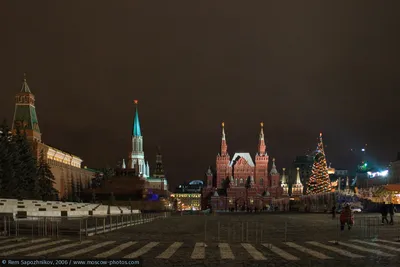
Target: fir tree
column 7, row 154
column 46, row 180
column 25, row 168
column 319, row 181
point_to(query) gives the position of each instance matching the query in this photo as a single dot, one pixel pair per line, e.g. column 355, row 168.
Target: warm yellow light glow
column 223, row 124
column 262, row 124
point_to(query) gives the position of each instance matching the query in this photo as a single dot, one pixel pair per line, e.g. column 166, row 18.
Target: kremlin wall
column 65, row 166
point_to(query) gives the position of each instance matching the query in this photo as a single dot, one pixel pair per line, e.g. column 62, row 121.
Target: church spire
column 261, row 141
column 136, row 124
column 224, row 146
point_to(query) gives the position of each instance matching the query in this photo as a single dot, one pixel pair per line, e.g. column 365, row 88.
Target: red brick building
column 241, row 183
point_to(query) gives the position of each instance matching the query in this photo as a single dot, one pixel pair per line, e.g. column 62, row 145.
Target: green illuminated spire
column 136, row 124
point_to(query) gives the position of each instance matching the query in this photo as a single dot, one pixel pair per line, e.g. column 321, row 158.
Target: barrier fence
column 78, row 226
column 292, row 229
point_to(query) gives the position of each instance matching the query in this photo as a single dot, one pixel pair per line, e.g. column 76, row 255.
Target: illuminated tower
column 159, row 171
column 136, row 157
column 25, row 118
column 223, row 158
column 275, row 177
column 297, row 188
column 261, row 161
column 284, row 183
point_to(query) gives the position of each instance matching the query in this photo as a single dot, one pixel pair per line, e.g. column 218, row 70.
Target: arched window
column 261, row 181
column 241, row 182
column 236, row 181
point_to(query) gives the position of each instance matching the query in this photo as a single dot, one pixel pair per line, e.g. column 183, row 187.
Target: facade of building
column 187, row 196
column 137, row 162
column 239, row 182
column 65, row 167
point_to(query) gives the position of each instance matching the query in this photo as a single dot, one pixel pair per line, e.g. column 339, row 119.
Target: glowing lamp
column 135, row 101
column 262, row 124
column 223, row 124
column 320, row 134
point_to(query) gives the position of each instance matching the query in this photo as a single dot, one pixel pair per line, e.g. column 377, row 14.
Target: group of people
column 385, row 210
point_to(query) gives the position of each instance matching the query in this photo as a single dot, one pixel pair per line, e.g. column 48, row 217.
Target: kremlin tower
column 136, row 157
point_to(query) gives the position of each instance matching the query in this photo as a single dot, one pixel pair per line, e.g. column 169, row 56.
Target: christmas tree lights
column 319, row 181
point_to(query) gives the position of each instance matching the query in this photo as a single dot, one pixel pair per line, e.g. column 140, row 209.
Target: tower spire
column 273, row 170
column 25, row 117
column 25, row 87
column 261, row 141
column 224, row 146
column 136, row 124
column 298, row 180
column 136, row 157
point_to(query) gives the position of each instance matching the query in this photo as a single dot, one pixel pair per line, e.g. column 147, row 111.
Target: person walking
column 392, row 210
column 333, row 211
column 346, row 217
column 384, row 213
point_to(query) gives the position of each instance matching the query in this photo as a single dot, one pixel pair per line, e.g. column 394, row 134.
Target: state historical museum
column 241, row 183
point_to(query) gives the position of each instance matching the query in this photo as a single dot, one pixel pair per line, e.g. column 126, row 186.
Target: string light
column 319, row 181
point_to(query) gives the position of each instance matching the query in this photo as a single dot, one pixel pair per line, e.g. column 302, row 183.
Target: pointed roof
column 136, row 124
column 209, row 172
column 284, row 180
column 261, row 131
column 245, row 156
column 273, row 170
column 216, row 194
column 123, row 164
column 298, row 180
column 25, row 87
column 223, row 131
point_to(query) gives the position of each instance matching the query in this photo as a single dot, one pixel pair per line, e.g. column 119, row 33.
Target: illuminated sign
column 378, row 174
column 186, row 195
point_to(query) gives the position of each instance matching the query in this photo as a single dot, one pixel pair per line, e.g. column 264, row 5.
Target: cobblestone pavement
column 309, row 240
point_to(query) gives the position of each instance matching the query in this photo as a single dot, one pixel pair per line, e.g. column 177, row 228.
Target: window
column 261, row 181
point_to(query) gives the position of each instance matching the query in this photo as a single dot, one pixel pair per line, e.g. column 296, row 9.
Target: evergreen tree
column 107, row 173
column 7, row 154
column 25, row 168
column 319, row 181
column 46, row 180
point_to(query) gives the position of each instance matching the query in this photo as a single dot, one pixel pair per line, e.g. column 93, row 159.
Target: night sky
column 301, row 67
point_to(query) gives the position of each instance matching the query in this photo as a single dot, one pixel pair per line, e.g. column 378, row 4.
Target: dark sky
column 300, row 66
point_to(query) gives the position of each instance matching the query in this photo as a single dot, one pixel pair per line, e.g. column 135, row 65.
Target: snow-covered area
column 245, row 156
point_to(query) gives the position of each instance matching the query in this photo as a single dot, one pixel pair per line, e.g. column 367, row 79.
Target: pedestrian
column 346, row 217
column 392, row 210
column 384, row 213
column 333, row 211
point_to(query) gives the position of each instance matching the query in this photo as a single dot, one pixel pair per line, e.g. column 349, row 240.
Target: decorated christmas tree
column 319, row 181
